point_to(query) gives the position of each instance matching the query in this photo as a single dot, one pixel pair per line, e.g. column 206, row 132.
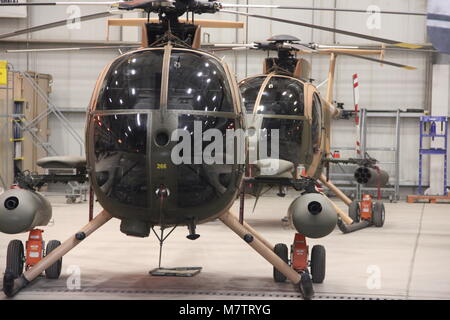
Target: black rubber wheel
column 318, row 263
column 8, row 284
column 378, row 214
column 15, row 258
column 282, row 251
column 353, row 211
column 54, row 271
column 306, row 286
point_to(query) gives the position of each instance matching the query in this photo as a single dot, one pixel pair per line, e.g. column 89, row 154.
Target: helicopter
column 284, row 98
column 139, row 100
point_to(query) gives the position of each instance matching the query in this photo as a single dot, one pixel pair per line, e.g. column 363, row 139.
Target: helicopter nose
column 162, row 169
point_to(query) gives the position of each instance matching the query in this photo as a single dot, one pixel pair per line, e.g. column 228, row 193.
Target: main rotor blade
column 70, row 3
column 127, row 5
column 69, row 49
column 235, row 45
column 394, row 64
column 56, row 24
column 425, row 48
column 313, row 26
column 257, row 6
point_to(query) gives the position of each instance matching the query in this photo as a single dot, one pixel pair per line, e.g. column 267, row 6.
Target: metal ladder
column 75, row 188
column 31, row 129
column 357, row 189
column 30, row 126
column 395, row 189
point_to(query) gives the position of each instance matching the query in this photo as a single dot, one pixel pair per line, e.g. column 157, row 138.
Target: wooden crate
column 428, row 199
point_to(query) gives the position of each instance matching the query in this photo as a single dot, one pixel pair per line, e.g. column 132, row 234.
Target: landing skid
column 12, row 286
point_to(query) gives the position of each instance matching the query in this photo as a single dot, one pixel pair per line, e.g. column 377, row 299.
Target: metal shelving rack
column 433, row 121
column 17, row 134
column 394, row 189
column 21, row 125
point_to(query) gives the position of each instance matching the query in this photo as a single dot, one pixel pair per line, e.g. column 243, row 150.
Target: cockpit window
column 250, row 89
column 120, row 144
column 198, row 82
column 316, row 119
column 198, row 184
column 133, row 82
column 282, row 96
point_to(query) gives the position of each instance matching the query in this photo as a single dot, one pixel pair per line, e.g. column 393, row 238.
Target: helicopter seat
column 62, row 162
column 274, row 168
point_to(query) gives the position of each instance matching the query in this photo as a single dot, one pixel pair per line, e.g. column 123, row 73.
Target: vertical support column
column 363, row 141
column 397, row 156
column 440, row 104
column 420, row 156
column 445, row 156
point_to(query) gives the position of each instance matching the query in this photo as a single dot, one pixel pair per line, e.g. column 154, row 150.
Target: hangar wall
column 385, row 87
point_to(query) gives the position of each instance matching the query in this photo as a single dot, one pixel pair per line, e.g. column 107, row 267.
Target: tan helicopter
column 284, row 99
column 140, row 99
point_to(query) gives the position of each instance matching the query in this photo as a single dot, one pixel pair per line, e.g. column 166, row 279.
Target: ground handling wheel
column 15, row 258
column 353, row 211
column 71, row 199
column 318, row 263
column 378, row 214
column 282, row 251
column 306, row 286
column 54, row 271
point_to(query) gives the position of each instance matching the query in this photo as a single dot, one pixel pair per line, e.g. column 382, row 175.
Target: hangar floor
column 411, row 255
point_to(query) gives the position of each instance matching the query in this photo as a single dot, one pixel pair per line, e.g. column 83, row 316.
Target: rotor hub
column 172, row 7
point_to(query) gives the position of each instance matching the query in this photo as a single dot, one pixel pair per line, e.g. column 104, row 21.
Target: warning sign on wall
column 12, row 11
column 3, row 72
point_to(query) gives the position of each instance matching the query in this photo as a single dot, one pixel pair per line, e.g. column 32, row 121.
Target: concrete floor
column 407, row 259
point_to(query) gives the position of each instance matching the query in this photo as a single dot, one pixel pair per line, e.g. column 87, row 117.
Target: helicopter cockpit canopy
column 196, row 82
column 278, row 102
column 143, row 98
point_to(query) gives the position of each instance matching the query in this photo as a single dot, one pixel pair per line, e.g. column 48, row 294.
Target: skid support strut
column 335, row 190
column 12, row 286
column 263, row 248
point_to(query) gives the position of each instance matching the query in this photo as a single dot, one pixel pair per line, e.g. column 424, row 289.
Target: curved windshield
column 198, row 184
column 316, row 119
column 198, row 82
column 120, row 148
column 290, row 137
column 250, row 89
column 133, row 82
column 282, row 96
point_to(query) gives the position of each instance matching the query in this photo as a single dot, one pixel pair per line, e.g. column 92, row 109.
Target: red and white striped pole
column 357, row 123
